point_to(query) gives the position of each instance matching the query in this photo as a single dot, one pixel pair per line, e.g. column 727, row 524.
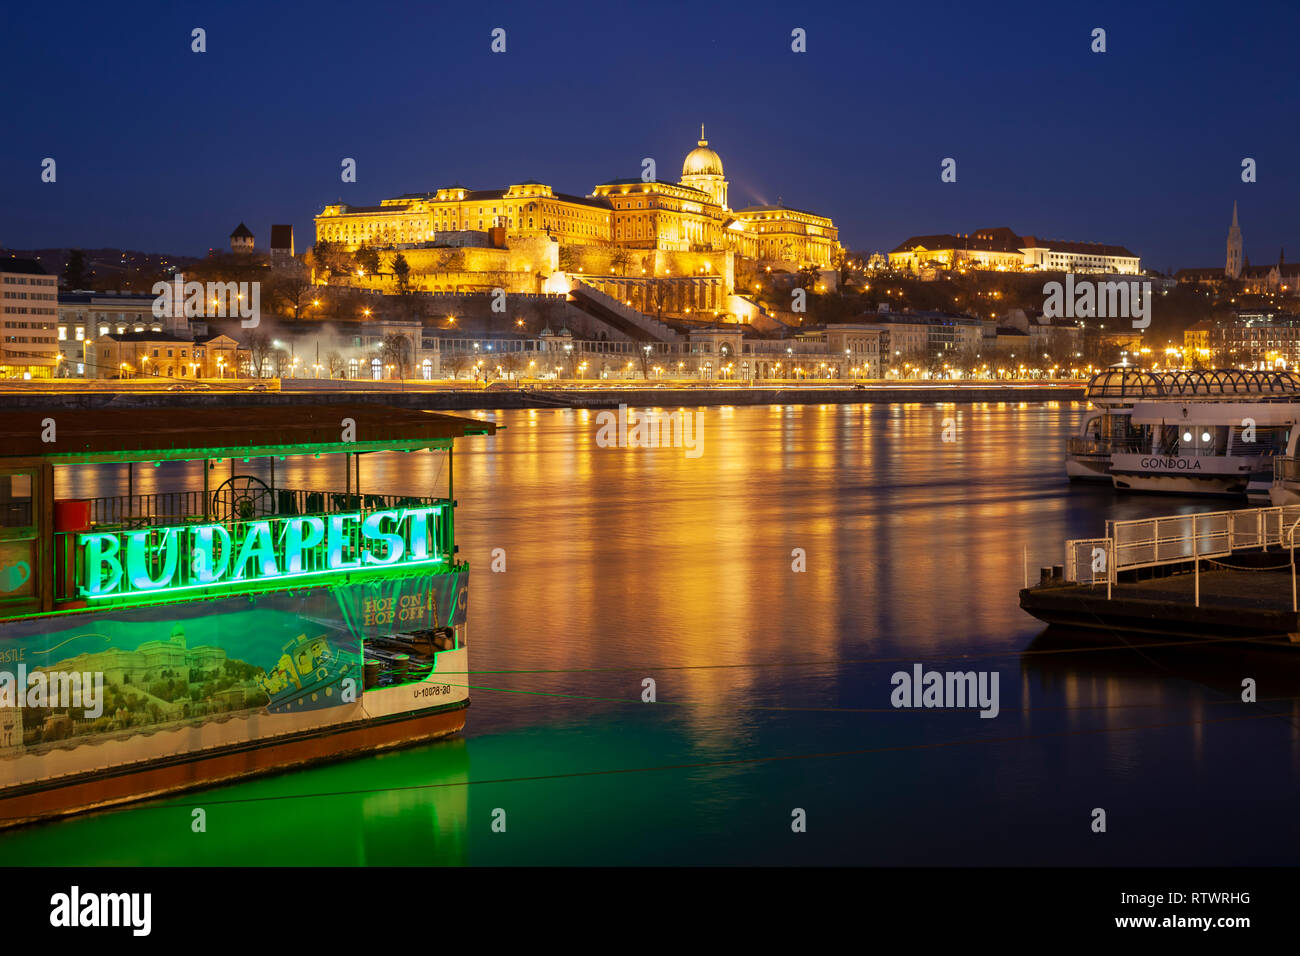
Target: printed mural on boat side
column 169, row 667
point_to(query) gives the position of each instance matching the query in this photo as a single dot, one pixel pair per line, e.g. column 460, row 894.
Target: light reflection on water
column 626, row 564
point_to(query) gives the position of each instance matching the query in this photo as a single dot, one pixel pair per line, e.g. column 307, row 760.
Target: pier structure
column 1217, row 574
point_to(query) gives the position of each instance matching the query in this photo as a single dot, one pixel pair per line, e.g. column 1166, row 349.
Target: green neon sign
column 129, row 563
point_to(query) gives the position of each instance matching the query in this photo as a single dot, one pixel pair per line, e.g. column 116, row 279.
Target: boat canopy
column 97, row 435
column 1133, row 384
column 1263, row 414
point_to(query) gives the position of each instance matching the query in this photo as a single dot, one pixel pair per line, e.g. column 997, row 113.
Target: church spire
column 1235, row 259
column 703, row 141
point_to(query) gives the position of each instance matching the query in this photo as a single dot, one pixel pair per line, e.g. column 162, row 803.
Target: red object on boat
column 71, row 514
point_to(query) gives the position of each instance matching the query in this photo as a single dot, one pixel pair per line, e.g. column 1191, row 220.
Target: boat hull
column 1228, row 485
column 1088, row 608
column 1087, row 469
column 175, row 696
column 1200, row 475
column 161, row 778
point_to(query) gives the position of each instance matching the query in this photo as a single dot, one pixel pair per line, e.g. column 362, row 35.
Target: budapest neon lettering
column 119, row 563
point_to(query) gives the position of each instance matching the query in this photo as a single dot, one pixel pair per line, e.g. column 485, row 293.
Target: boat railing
column 228, row 504
column 168, row 549
column 1087, row 560
column 1137, row 446
column 1176, row 539
column 1286, row 468
column 1076, row 445
column 1195, row 451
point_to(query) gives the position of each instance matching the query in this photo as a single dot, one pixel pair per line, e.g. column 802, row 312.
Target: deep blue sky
column 164, row 150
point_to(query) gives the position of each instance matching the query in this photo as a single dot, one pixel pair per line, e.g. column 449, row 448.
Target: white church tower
column 1233, row 266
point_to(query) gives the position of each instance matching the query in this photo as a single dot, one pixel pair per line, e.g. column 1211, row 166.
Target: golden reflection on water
column 915, row 523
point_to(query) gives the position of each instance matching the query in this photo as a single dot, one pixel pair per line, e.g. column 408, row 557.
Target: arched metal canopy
column 1134, row 384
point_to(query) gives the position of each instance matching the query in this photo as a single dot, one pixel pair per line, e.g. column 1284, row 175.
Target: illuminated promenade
column 501, row 394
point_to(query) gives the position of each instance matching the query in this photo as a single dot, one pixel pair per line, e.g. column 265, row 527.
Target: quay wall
column 471, row 399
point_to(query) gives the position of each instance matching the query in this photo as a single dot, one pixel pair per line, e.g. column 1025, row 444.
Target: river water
column 773, row 686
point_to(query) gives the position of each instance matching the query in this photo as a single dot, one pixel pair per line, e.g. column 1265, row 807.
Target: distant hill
column 125, row 270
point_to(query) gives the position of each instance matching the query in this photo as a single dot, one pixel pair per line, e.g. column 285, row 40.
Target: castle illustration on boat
column 235, row 627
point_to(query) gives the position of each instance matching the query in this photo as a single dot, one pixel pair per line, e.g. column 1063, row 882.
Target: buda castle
column 527, row 236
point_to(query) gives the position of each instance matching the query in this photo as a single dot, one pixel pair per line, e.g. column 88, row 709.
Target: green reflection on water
column 566, row 798
column 312, row 817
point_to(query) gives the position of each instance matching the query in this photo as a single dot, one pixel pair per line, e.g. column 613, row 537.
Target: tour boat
column 1185, row 432
column 168, row 640
column 1204, row 448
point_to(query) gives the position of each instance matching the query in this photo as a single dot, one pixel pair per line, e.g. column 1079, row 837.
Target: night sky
column 164, row 150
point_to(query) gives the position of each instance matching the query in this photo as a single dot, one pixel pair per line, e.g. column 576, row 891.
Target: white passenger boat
column 1204, row 448
column 1185, row 432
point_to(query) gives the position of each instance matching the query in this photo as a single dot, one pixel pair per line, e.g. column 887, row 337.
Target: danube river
column 772, row 686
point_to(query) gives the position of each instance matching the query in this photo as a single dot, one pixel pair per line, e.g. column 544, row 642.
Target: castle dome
column 702, row 161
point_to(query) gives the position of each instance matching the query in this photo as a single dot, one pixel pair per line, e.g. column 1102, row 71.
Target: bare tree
column 330, row 258
column 619, row 260
column 337, row 364
column 455, row 362
column 292, row 290
column 513, row 363
column 259, row 352
column 367, row 259
column 453, row 260
column 395, row 350
column 657, row 293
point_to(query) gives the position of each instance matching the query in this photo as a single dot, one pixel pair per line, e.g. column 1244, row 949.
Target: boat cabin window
column 16, row 500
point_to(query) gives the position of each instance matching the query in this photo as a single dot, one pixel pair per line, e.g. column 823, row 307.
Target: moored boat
column 161, row 641
column 1204, row 448
column 1203, row 432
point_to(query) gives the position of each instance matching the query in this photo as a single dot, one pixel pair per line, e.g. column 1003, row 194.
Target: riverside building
column 1002, row 250
column 29, row 312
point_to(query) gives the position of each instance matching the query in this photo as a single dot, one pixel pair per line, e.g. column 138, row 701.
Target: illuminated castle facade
column 658, row 224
